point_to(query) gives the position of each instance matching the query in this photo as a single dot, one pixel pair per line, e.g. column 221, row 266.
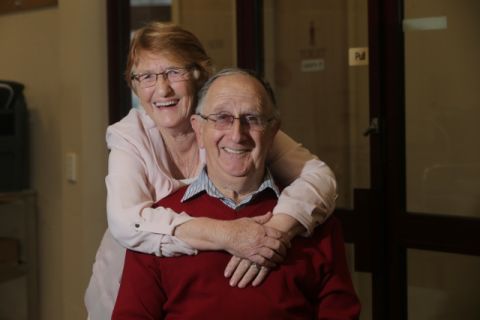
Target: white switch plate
column 71, row 166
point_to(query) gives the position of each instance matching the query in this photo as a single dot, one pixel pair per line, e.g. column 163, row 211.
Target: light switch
column 71, row 167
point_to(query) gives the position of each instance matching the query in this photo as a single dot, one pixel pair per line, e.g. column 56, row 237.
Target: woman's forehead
column 145, row 57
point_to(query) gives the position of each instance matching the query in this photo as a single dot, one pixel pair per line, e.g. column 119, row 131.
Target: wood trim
column 451, row 234
column 118, row 29
column 250, row 34
column 10, row 6
column 394, row 155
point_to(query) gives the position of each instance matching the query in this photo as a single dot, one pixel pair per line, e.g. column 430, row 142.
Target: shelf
column 11, row 197
column 18, row 235
column 12, row 271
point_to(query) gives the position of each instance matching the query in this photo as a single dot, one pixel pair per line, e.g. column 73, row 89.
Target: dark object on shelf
column 9, row 251
column 14, row 156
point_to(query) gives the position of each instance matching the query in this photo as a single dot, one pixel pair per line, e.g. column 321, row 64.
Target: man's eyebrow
column 220, row 107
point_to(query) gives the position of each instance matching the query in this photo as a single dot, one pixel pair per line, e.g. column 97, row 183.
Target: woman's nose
column 162, row 86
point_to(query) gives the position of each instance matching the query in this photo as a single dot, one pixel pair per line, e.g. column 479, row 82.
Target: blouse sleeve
column 311, row 186
column 130, row 196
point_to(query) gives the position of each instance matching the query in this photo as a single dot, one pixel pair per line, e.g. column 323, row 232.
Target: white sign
column 358, row 56
column 431, row 23
column 312, row 65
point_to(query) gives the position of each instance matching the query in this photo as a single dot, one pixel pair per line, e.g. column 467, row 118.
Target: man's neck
column 237, row 188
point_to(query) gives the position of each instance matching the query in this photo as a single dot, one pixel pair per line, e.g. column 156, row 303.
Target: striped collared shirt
column 204, row 184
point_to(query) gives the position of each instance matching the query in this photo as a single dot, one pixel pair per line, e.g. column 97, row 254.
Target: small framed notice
column 11, row 6
column 358, row 56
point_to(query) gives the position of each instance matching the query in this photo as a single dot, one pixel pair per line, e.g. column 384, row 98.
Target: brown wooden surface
column 9, row 6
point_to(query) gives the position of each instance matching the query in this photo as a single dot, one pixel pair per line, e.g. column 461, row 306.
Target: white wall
column 59, row 54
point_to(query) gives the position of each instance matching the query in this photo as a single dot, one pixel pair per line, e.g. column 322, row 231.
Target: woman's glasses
column 148, row 79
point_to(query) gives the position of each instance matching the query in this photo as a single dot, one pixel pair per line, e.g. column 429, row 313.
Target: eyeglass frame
column 265, row 121
column 165, row 75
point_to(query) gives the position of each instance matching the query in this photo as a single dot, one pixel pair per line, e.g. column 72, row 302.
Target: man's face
column 238, row 151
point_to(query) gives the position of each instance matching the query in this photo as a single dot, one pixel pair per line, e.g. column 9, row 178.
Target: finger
column 270, row 255
column 231, row 266
column 249, row 276
column 239, row 272
column 262, row 261
column 274, row 233
column 262, row 274
column 263, row 218
column 276, row 245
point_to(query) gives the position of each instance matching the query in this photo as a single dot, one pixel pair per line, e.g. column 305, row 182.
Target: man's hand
column 251, row 239
column 246, row 238
column 243, row 272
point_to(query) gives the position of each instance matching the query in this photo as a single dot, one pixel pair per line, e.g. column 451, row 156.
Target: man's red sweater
column 312, row 283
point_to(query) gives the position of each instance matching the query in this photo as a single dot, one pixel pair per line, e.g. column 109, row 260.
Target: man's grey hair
column 233, row 71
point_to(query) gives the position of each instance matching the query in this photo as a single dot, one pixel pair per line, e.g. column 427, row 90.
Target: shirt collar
column 203, row 184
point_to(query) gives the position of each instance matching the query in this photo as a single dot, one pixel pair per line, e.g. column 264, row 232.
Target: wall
column 59, row 53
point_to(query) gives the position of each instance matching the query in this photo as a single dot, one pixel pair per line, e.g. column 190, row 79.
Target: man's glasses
column 224, row 121
column 147, row 80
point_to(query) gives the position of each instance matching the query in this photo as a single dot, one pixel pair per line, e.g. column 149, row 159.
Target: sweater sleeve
column 140, row 295
column 130, row 196
column 311, row 186
column 336, row 296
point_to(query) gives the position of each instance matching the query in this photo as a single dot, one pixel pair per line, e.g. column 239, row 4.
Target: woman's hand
column 251, row 239
column 243, row 272
column 248, row 238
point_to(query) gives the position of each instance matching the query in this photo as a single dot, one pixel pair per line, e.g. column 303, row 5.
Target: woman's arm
column 138, row 226
column 310, row 192
column 131, row 219
column 138, row 177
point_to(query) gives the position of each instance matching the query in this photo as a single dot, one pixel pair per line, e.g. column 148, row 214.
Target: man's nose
column 238, row 129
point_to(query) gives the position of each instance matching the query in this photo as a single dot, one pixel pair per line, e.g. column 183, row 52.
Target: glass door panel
column 214, row 23
column 442, row 46
column 323, row 99
column 316, row 59
column 442, row 286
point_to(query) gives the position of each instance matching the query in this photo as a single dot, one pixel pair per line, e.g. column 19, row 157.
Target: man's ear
column 276, row 126
column 197, row 125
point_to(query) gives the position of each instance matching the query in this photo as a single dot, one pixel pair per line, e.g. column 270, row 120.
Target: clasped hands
column 256, row 248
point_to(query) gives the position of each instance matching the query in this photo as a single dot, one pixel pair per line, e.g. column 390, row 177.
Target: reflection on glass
column 323, row 100
column 442, row 46
column 212, row 21
column 362, row 281
column 144, row 11
column 443, row 286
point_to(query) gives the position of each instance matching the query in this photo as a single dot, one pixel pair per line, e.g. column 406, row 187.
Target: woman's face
column 168, row 103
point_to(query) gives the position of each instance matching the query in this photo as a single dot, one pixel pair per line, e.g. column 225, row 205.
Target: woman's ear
column 196, row 74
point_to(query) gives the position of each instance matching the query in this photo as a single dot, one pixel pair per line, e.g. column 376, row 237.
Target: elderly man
column 235, row 123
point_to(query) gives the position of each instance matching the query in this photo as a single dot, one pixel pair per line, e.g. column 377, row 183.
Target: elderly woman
column 153, row 152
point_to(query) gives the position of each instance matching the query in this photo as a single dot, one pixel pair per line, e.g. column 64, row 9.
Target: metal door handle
column 372, row 128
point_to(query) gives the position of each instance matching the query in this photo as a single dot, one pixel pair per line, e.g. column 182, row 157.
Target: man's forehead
column 235, row 89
